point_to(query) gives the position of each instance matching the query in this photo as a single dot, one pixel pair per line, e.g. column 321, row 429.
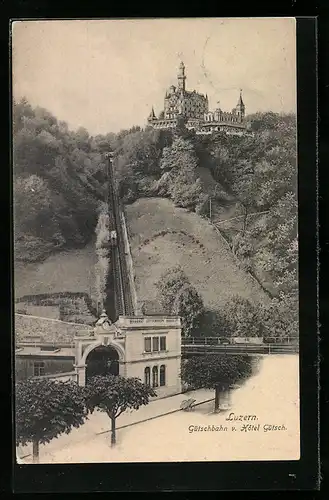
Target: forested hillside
column 253, row 178
column 59, row 179
column 57, row 184
column 244, row 186
column 247, row 187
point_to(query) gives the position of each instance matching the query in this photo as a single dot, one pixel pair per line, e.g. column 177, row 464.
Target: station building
column 146, row 347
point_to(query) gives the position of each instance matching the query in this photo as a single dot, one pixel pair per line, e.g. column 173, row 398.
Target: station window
column 147, row 376
column 147, row 344
column 162, row 375
column 155, row 345
column 155, row 382
column 162, row 343
column 38, row 368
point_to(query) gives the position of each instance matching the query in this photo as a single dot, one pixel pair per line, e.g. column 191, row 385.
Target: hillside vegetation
column 57, row 184
column 163, row 236
column 176, row 186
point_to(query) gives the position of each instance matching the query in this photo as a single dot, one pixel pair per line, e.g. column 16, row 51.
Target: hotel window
column 162, row 343
column 147, row 376
column 162, row 375
column 155, row 376
column 38, row 368
column 147, row 344
column 155, row 345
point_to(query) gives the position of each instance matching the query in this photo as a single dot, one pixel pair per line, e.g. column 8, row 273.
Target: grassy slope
column 69, row 271
column 211, row 269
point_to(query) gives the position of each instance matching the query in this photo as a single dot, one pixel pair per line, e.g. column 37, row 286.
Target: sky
column 105, row 75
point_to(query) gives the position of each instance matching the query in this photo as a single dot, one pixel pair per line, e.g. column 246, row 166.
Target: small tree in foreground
column 217, row 372
column 45, row 409
column 114, row 395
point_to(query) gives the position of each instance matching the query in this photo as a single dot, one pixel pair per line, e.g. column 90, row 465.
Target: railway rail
column 123, row 302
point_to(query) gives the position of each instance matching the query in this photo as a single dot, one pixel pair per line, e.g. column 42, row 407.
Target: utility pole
column 109, row 157
column 210, row 208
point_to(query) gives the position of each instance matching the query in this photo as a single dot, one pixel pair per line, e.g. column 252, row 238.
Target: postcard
column 155, row 240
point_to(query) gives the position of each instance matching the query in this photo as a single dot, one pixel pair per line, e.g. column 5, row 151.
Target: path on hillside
column 187, row 240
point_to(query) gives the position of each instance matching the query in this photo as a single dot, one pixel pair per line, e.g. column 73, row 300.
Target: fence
column 239, row 341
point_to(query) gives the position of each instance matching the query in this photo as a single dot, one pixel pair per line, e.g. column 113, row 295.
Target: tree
column 217, row 372
column 169, row 285
column 180, row 179
column 186, row 190
column 188, row 304
column 281, row 233
column 46, row 409
column 274, row 320
column 179, row 296
column 56, row 190
column 114, row 395
column 213, row 324
column 138, row 160
column 179, row 154
column 280, row 317
column 241, row 318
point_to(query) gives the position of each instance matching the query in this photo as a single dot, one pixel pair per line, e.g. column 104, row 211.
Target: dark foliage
column 46, row 409
column 56, row 184
column 114, row 395
column 216, row 370
column 178, row 296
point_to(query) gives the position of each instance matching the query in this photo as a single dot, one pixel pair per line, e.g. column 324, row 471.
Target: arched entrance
column 103, row 360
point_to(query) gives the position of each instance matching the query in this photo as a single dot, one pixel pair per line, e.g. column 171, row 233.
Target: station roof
column 39, row 351
column 46, row 330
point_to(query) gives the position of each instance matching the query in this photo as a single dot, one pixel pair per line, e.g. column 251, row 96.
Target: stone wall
column 66, row 306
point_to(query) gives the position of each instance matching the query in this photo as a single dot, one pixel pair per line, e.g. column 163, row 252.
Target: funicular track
column 121, row 293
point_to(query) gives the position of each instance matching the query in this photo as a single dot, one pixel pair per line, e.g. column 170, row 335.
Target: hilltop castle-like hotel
column 179, row 102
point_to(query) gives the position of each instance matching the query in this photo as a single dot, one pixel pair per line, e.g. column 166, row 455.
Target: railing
column 236, row 341
column 237, row 346
column 148, row 321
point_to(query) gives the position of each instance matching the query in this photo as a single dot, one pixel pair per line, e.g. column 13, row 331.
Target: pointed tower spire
column 152, row 115
column 181, row 76
column 240, row 108
column 240, row 103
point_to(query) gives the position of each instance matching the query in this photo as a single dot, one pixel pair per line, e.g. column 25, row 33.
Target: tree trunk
column 35, row 451
column 113, row 432
column 217, row 392
column 226, row 393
